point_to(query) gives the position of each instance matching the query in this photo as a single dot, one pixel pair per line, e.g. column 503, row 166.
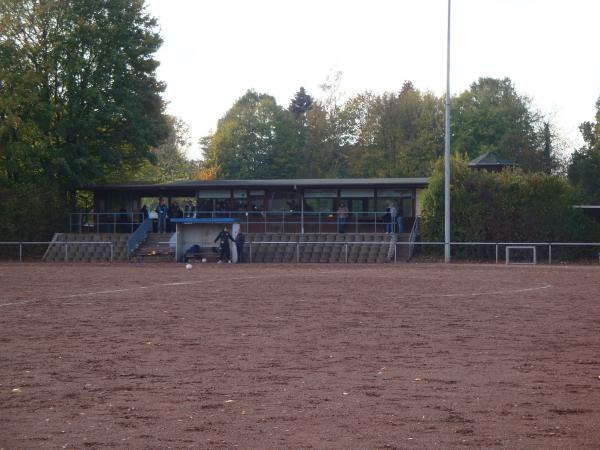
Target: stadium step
column 81, row 247
column 326, row 247
column 155, row 247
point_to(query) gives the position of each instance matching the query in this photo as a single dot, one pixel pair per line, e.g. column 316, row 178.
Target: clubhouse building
column 290, row 206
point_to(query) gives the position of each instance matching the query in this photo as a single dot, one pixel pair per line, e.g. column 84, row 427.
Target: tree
column 254, row 139
column 301, row 103
column 584, row 167
column 79, row 99
column 86, row 73
column 394, row 134
column 170, row 162
column 492, row 116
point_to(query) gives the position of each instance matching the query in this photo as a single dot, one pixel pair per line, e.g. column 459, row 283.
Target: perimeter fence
column 59, row 251
column 349, row 252
column 423, row 252
column 509, row 252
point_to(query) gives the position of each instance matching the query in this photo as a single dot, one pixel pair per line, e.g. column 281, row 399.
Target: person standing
column 400, row 219
column 392, row 218
column 224, row 251
column 342, row 214
column 240, row 239
column 161, row 211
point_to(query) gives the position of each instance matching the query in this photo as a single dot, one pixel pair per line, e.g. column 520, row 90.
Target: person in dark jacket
column 240, row 239
column 223, row 238
column 162, row 212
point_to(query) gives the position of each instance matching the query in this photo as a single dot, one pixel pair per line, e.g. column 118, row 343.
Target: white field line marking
column 187, row 283
column 477, row 294
column 117, row 291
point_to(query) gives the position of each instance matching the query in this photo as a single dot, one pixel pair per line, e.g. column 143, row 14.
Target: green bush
column 509, row 206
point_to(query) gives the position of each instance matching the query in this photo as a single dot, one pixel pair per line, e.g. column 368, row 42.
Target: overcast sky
column 214, row 51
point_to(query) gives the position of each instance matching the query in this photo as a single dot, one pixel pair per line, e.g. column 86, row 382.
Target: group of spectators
column 166, row 212
column 392, row 218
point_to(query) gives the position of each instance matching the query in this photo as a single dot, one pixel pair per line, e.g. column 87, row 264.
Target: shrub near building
column 507, row 206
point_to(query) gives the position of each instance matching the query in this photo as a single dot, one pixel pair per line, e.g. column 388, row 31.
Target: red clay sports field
column 299, row 356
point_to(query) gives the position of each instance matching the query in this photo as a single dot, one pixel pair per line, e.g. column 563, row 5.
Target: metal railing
column 593, row 247
column 592, row 254
column 107, row 222
column 138, row 236
column 412, row 238
column 65, row 244
column 251, row 221
column 304, row 221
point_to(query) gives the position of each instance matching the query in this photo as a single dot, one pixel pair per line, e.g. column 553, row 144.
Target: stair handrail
column 412, row 238
column 138, row 236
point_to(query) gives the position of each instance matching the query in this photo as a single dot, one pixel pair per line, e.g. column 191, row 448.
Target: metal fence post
column 20, row 252
column 111, row 251
column 496, row 253
column 346, row 250
column 250, row 252
column 66, row 252
column 549, row 254
column 297, row 252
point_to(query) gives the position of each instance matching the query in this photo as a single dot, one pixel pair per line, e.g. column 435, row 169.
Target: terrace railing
column 412, row 238
column 109, row 222
column 303, row 222
column 251, row 221
column 138, row 236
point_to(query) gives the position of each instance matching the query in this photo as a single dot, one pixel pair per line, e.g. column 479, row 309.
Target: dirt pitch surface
column 299, row 356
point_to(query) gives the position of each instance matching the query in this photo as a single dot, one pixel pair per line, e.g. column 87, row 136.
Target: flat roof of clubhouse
column 291, row 183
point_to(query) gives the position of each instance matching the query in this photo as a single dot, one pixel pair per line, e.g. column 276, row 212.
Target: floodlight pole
column 447, row 153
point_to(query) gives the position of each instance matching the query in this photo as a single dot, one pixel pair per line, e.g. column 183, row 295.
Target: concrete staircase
column 155, row 248
column 324, row 248
column 85, row 250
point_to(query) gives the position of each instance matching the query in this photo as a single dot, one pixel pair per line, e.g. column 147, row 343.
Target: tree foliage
column 393, row 134
column 93, row 104
column 301, row 103
column 584, row 167
column 510, row 206
column 492, row 116
column 79, row 100
column 254, row 139
column 170, row 162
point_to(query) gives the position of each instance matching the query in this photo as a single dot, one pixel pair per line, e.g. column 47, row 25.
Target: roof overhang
column 192, row 186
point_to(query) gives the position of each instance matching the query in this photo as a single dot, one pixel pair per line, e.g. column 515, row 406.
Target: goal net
column 521, row 254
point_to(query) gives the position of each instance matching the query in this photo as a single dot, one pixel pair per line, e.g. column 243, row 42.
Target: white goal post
column 521, row 247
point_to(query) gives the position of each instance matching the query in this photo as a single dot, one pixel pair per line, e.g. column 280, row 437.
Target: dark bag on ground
column 192, row 252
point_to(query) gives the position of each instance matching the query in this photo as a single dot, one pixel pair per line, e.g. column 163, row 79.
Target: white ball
column 188, row 266
column 203, row 259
